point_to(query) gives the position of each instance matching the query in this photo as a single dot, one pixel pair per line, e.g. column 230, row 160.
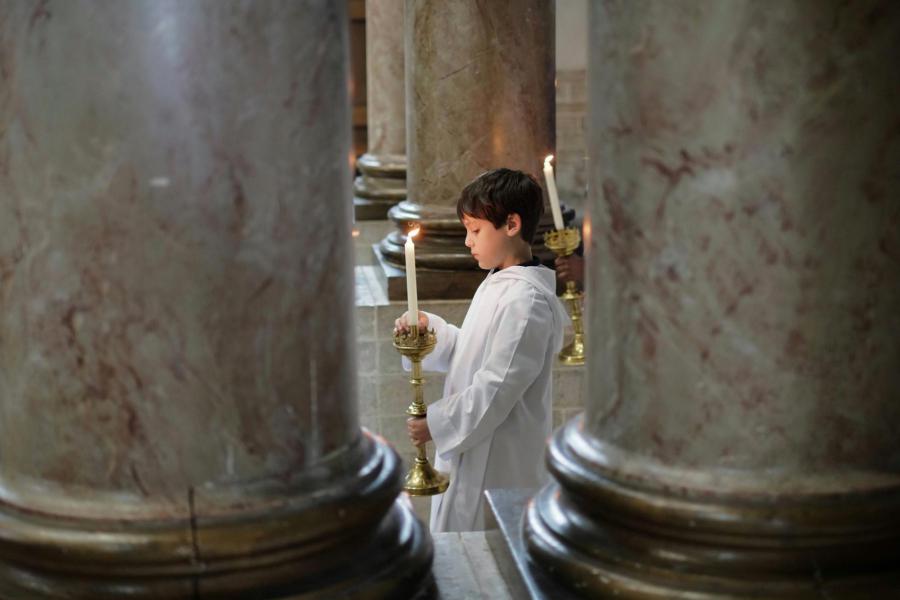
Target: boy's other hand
column 417, row 427
column 401, row 325
column 570, row 268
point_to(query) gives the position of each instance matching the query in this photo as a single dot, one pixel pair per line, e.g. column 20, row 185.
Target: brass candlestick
column 563, row 242
column 422, row 479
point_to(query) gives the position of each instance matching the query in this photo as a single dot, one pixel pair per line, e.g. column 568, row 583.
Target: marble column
column 382, row 180
column 740, row 437
column 480, row 95
column 177, row 368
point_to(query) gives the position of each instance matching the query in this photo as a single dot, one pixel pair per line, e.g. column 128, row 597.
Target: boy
column 490, row 426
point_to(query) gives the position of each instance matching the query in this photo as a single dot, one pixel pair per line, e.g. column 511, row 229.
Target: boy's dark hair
column 496, row 194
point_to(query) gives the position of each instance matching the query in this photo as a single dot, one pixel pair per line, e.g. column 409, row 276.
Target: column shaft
column 744, row 276
column 478, row 98
column 382, row 182
column 177, row 365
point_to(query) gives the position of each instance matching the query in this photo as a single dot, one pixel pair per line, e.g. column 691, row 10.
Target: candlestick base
column 422, row 479
column 563, row 242
column 573, row 354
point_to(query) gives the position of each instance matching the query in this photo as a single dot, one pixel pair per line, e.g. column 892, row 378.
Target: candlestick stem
column 422, row 479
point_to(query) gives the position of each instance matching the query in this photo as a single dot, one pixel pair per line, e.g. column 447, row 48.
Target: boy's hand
column 570, row 268
column 417, row 427
column 401, row 325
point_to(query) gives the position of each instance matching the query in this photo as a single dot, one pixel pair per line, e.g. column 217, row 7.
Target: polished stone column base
column 297, row 539
column 433, row 284
column 441, row 244
column 615, row 525
column 381, row 185
column 445, row 267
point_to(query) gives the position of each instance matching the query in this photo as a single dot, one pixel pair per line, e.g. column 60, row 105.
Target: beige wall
column 571, row 101
column 571, row 35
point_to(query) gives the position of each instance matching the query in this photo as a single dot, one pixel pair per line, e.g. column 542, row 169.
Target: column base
column 352, row 536
column 381, row 185
column 433, row 284
column 442, row 242
column 618, row 525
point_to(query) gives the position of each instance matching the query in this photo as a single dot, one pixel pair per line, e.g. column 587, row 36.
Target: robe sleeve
column 514, row 360
column 439, row 358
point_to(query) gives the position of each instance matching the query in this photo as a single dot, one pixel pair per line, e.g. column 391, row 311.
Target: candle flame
column 413, row 233
column 547, row 160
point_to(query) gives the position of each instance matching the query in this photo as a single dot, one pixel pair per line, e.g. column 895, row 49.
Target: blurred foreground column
column 740, row 438
column 177, row 362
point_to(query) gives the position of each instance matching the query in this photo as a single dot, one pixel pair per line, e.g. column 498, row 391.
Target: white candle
column 551, row 191
column 411, row 295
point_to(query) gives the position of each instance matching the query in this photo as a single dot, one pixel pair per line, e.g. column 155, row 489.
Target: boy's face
column 489, row 245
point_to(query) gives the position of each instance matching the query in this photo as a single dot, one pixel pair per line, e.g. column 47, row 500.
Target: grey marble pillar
column 740, row 438
column 480, row 95
column 382, row 180
column 177, row 362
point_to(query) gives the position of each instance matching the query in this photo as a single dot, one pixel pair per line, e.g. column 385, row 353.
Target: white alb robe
column 492, row 423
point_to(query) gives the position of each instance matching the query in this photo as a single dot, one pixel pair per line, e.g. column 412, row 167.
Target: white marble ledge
column 465, row 567
column 370, row 291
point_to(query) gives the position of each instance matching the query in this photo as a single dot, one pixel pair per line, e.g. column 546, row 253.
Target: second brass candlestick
column 563, row 242
column 422, row 479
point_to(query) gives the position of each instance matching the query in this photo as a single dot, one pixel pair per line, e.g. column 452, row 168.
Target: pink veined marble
column 175, row 267
column 745, row 258
column 480, row 93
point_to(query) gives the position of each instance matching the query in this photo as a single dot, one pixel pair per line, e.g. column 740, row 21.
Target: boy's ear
column 513, row 224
